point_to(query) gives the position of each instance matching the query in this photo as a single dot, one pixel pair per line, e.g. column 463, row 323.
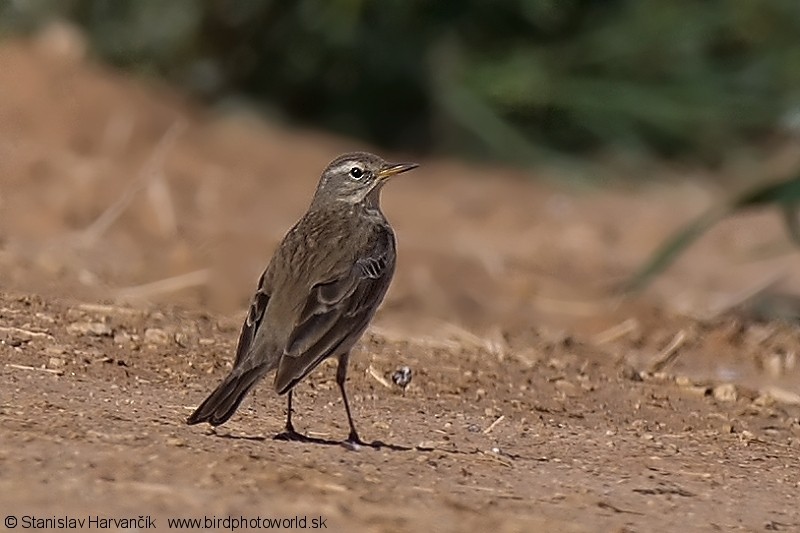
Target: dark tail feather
column 223, row 402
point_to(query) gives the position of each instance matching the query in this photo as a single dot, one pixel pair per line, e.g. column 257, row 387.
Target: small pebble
column 726, row 392
column 96, row 329
column 155, row 336
column 402, row 377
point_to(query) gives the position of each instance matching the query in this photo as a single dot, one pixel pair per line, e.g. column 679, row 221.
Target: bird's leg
column 289, row 426
column 289, row 433
column 341, row 376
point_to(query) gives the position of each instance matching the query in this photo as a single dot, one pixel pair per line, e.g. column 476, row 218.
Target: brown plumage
column 320, row 290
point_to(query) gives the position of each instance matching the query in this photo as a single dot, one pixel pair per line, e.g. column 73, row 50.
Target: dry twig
column 668, row 354
column 616, row 332
column 152, row 170
column 378, row 377
column 175, row 283
column 28, row 332
column 36, row 368
column 494, row 424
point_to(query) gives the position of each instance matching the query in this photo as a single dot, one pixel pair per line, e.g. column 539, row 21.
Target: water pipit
column 319, row 292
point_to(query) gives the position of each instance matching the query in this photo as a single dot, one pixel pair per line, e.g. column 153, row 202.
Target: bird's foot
column 354, row 442
column 289, row 434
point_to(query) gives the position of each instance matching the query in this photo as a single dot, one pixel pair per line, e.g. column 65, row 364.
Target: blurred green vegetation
column 507, row 79
column 784, row 194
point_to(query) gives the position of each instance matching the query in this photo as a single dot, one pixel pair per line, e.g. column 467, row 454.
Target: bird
column 319, row 291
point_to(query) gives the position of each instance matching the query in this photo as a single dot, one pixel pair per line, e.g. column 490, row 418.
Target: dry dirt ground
column 135, row 224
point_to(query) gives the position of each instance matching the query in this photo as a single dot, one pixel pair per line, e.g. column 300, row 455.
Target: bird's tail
column 223, row 402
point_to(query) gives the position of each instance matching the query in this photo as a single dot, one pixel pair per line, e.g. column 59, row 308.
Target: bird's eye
column 356, row 173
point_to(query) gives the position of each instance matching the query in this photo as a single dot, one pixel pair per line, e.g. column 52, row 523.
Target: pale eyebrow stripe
column 345, row 166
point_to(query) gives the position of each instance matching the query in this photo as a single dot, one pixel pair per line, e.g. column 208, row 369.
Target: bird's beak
column 392, row 169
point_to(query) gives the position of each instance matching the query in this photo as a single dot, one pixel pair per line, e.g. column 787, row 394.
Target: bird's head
column 356, row 178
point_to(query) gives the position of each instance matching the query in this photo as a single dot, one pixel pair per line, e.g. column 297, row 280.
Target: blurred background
column 154, row 152
column 515, row 80
column 158, row 150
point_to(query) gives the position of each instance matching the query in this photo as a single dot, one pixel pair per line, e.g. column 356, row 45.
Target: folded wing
column 335, row 315
column 255, row 315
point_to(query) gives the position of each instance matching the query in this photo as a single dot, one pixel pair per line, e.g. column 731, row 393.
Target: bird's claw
column 290, row 435
column 354, row 442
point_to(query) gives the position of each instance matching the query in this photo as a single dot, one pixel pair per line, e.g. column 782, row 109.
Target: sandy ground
column 135, row 225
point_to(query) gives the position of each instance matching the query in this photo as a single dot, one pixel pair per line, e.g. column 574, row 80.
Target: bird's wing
column 336, row 312
column 254, row 317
